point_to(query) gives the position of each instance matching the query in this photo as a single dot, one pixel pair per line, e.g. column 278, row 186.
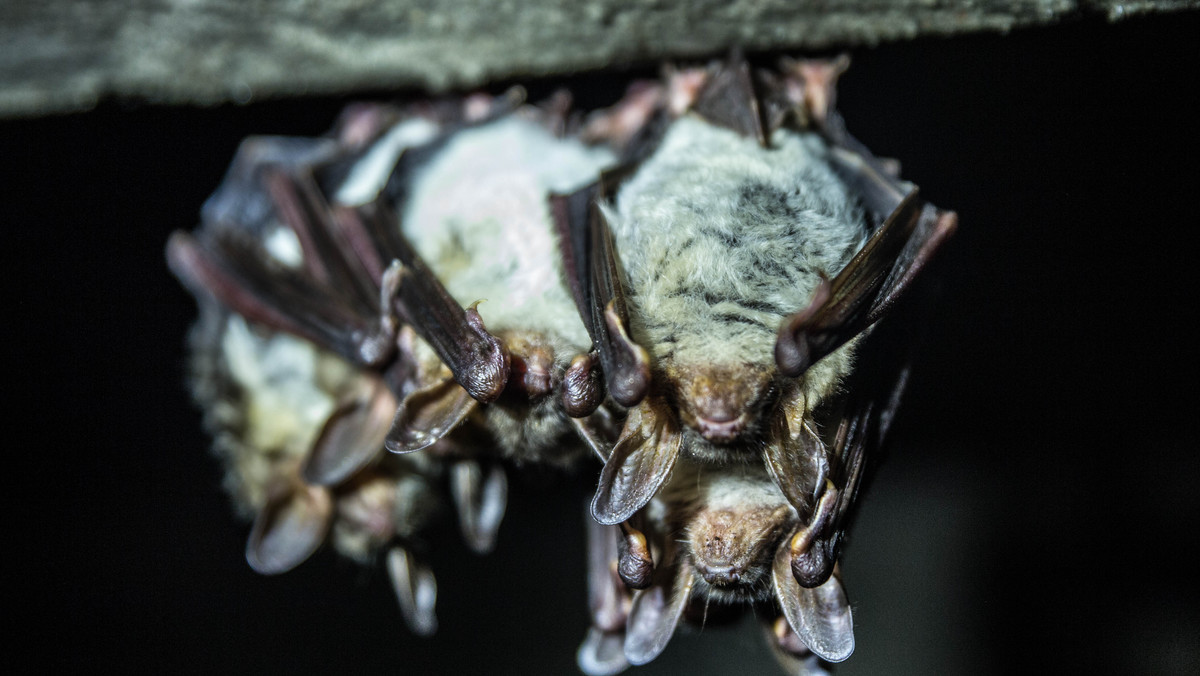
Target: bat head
column 721, row 403
column 732, row 526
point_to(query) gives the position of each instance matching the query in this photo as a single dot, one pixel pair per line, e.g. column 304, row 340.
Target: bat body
column 722, row 240
column 479, row 215
column 688, row 285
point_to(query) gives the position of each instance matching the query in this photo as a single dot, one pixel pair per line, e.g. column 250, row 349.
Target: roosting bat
column 683, row 285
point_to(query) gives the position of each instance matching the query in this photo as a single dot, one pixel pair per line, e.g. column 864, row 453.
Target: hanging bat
column 728, row 536
column 726, row 271
column 492, row 301
column 305, row 238
column 276, row 406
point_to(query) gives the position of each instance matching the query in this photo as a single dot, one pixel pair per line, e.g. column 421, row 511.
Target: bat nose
column 720, row 575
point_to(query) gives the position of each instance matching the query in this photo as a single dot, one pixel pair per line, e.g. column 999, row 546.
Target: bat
column 727, row 537
column 727, row 270
column 683, row 286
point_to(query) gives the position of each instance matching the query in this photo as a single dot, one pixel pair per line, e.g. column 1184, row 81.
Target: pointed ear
column 639, row 464
column 289, row 528
column 429, row 414
column 796, row 458
column 353, row 436
column 602, row 653
column 789, row 651
column 653, row 617
column 416, row 591
column 480, row 498
column 819, row 616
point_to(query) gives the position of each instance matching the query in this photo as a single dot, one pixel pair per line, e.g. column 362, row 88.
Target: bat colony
column 688, row 285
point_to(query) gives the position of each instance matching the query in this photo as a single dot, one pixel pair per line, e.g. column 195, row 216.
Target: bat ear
column 639, row 463
column 480, row 500
column 789, row 651
column 352, row 437
column 602, row 653
column 428, row 414
column 796, row 457
column 289, row 528
column 812, row 85
column 819, row 616
column 653, row 617
column 416, row 591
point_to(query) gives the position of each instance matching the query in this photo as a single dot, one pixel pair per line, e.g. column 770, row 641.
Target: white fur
column 284, row 390
column 479, row 216
column 371, row 173
column 282, row 244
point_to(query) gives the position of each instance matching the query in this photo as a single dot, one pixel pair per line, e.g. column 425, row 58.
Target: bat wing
column 478, row 360
column 355, row 277
column 880, row 273
column 874, row 393
column 591, row 265
column 728, row 99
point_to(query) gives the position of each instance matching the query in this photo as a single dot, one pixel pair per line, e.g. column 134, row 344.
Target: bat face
column 722, row 240
column 732, row 525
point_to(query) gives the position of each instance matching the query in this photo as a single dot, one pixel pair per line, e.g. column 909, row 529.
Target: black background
column 1037, row 510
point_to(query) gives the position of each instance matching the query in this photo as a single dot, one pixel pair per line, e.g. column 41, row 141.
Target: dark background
column 1037, row 510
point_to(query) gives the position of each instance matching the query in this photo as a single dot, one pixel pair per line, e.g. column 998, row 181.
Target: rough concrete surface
column 64, row 55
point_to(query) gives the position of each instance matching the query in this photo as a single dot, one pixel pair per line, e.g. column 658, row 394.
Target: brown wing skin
column 728, row 100
column 874, row 392
column 330, row 298
column 478, row 359
column 341, row 296
column 879, row 274
column 590, row 261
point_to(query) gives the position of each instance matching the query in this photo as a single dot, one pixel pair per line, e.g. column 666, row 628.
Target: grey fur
column 722, row 239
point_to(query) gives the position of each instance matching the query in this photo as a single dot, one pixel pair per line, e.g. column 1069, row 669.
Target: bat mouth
column 727, row 586
column 722, row 431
